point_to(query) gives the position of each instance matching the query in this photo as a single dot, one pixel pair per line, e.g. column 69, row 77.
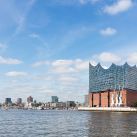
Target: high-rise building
column 55, row 99
column 115, row 86
column 19, row 100
column 8, row 101
column 30, row 99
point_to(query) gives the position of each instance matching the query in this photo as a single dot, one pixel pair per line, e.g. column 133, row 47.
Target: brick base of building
column 111, row 98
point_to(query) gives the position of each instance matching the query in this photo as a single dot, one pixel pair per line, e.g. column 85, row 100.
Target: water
column 48, row 123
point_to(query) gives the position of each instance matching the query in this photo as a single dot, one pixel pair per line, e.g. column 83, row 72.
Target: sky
column 46, row 45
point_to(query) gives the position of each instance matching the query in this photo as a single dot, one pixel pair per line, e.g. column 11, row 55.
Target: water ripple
column 53, row 123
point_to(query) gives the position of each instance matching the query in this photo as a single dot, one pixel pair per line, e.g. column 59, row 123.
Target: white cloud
column 85, row 65
column 119, row 6
column 9, row 61
column 64, row 66
column 63, row 69
column 108, row 31
column 81, row 65
column 69, row 66
column 132, row 58
column 16, row 74
column 65, row 75
column 109, row 57
column 62, row 63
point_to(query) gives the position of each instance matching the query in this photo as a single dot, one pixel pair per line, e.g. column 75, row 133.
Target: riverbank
column 115, row 109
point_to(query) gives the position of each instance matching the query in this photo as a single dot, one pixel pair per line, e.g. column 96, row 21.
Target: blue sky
column 46, row 45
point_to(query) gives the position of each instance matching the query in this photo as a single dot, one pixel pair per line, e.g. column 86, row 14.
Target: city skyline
column 46, row 46
column 30, row 99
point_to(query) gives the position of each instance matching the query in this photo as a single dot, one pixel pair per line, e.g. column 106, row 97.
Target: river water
column 57, row 123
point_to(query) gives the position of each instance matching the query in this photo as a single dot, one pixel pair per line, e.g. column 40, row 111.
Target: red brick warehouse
column 112, row 87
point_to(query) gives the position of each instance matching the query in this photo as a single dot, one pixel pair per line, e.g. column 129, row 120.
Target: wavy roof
column 126, row 65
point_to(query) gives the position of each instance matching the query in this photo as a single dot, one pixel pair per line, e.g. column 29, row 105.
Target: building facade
column 29, row 99
column 8, row 101
column 54, row 99
column 112, row 87
column 19, row 100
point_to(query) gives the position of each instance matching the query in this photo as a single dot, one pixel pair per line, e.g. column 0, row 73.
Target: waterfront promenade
column 115, row 109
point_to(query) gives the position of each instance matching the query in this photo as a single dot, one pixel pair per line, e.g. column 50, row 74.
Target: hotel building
column 112, row 87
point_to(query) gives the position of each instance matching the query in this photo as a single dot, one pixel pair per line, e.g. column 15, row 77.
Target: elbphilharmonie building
column 115, row 86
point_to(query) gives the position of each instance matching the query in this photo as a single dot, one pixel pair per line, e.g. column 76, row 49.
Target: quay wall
column 113, row 109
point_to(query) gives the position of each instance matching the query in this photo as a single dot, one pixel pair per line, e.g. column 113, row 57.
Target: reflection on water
column 32, row 123
column 116, row 124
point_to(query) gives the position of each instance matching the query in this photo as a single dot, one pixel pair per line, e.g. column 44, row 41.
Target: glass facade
column 8, row 101
column 115, row 77
column 54, row 99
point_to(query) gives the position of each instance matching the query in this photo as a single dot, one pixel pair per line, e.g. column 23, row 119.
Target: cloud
column 40, row 63
column 16, row 74
column 62, row 63
column 108, row 31
column 64, row 66
column 132, row 58
column 69, row 66
column 63, row 69
column 108, row 57
column 118, row 7
column 38, row 37
column 81, row 65
column 9, row 61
